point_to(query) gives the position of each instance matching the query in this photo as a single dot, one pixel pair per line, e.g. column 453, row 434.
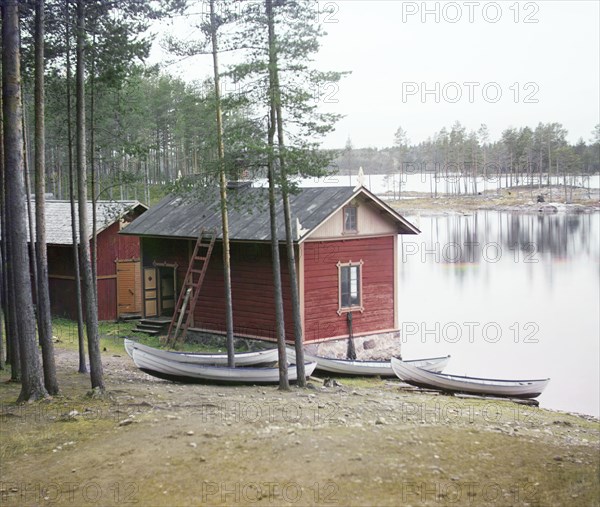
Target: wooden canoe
column 168, row 368
column 367, row 368
column 469, row 385
column 241, row 359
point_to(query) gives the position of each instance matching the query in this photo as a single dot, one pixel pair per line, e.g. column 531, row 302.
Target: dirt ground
column 369, row 442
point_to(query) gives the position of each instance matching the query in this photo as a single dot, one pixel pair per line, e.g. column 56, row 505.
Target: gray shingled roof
column 248, row 214
column 58, row 217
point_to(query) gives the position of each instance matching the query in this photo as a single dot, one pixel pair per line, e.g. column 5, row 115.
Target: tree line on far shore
column 521, row 155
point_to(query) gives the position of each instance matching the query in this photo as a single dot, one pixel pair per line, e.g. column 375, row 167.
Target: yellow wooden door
column 129, row 296
column 150, row 292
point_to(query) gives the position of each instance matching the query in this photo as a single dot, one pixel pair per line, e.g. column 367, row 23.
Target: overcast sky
column 424, row 65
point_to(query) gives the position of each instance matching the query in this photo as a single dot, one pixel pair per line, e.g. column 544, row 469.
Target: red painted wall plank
column 252, row 292
column 111, row 246
column 321, row 286
column 252, row 285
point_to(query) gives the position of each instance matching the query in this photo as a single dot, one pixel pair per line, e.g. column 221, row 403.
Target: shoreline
column 363, row 442
column 516, row 199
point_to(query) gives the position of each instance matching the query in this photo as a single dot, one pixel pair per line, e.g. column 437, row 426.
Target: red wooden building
column 346, row 244
column 118, row 271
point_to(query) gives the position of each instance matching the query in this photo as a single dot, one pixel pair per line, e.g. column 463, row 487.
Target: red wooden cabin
column 118, row 272
column 346, row 243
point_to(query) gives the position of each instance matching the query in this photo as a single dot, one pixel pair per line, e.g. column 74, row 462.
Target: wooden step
column 130, row 316
column 150, row 326
column 163, row 321
column 152, row 332
column 153, row 326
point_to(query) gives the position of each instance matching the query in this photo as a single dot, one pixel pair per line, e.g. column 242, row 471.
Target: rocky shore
column 516, row 199
column 361, row 442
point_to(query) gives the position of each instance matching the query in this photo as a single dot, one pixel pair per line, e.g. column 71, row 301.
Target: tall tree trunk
column 3, row 274
column 78, row 299
column 91, row 308
column 2, row 360
column 540, row 162
column 484, row 169
column 32, row 384
column 289, row 231
column 278, row 292
column 93, row 172
column 31, row 228
column 44, row 319
column 8, row 308
column 549, row 162
column 223, row 191
column 146, row 181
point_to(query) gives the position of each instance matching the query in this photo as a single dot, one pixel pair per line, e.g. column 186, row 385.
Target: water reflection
column 491, row 237
column 508, row 295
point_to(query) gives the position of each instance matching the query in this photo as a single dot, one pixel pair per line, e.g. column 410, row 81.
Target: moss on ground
column 368, row 442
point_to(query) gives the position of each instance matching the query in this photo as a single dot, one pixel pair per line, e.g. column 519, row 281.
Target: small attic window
column 350, row 219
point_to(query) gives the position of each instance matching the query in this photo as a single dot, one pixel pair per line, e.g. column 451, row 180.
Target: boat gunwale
column 187, row 369
column 199, row 355
column 479, row 381
column 378, row 362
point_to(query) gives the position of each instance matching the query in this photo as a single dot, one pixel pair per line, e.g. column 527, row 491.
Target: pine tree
column 32, row 384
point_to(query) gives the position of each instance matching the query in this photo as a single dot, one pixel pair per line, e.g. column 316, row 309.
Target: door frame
column 161, row 267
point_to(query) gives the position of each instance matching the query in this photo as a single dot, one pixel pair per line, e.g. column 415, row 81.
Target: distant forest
column 519, row 151
column 149, row 128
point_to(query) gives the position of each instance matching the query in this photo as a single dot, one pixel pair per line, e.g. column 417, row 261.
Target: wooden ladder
column 190, row 290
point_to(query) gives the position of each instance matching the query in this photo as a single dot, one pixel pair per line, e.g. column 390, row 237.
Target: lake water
column 508, row 295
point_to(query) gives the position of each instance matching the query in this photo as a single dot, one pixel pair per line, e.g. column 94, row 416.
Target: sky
column 424, row 65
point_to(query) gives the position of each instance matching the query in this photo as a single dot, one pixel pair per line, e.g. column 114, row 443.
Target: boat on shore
column 241, row 359
column 185, row 372
column 468, row 385
column 367, row 368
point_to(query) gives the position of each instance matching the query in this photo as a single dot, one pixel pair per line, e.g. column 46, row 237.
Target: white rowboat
column 241, row 359
column 369, row 368
column 470, row 385
column 167, row 368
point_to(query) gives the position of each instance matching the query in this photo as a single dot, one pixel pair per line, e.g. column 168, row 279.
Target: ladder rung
column 206, row 241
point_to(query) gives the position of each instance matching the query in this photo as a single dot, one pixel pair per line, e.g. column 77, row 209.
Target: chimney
column 237, row 184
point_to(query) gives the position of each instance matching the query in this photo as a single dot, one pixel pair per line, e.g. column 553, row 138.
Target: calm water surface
column 508, row 295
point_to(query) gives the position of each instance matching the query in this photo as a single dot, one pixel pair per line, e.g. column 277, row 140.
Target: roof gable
column 374, row 217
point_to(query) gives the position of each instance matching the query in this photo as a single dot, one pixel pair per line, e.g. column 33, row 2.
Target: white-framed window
column 350, row 219
column 350, row 286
